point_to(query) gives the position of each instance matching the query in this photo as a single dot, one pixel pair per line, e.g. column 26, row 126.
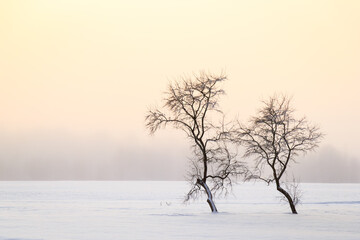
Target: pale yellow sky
column 83, row 69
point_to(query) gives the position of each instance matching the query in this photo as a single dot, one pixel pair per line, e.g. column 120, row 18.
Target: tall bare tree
column 274, row 137
column 191, row 105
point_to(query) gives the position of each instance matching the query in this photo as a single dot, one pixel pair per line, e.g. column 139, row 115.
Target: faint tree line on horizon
column 271, row 139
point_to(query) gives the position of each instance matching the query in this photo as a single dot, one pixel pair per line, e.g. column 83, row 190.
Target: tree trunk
column 288, row 197
column 210, row 200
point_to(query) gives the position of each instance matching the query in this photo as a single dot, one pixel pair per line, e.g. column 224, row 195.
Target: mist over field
column 66, row 157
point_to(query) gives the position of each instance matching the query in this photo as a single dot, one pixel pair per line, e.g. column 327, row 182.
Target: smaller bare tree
column 191, row 105
column 274, row 137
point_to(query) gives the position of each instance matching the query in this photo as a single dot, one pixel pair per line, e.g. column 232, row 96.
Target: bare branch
column 191, row 104
column 274, row 137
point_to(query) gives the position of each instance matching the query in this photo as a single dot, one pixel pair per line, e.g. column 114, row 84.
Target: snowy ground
column 154, row 210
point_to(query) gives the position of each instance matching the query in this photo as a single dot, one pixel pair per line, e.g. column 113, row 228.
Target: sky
column 77, row 77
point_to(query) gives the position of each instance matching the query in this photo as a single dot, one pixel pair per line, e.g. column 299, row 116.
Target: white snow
column 154, row 210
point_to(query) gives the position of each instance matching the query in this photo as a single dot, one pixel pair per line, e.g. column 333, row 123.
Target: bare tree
column 191, row 105
column 274, row 137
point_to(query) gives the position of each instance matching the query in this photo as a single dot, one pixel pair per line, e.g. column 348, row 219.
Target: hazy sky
column 77, row 77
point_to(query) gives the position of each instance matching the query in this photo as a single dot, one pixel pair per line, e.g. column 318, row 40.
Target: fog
column 77, row 77
column 102, row 157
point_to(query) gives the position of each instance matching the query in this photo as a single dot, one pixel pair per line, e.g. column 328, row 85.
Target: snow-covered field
column 154, row 210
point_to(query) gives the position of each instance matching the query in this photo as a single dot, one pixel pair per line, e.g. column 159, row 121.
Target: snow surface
column 154, row 210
